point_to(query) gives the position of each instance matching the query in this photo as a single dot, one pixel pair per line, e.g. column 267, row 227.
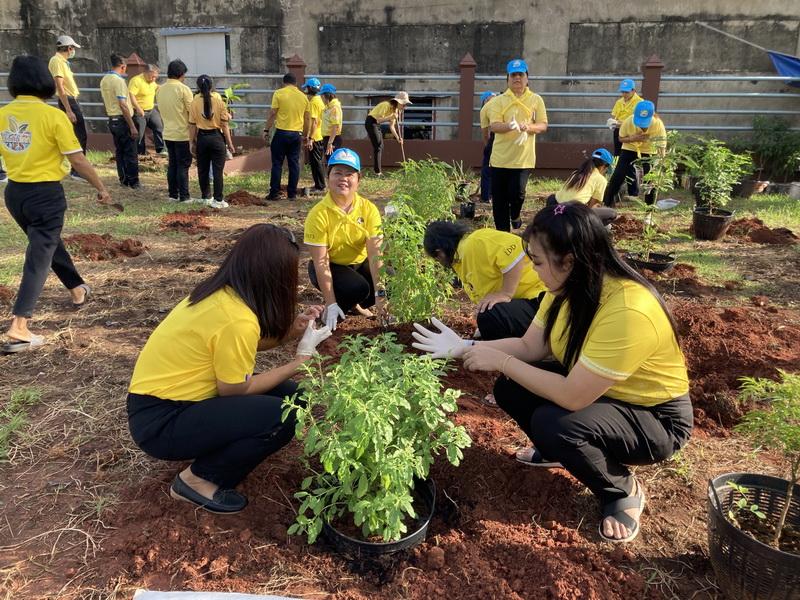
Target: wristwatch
column 380, row 293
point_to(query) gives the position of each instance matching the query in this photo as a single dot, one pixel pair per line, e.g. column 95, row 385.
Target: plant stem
column 790, row 488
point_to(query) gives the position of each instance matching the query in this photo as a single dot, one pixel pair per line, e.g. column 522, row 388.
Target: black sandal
column 616, row 510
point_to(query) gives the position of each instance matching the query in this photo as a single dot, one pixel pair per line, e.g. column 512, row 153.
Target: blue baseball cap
column 516, row 66
column 328, row 88
column 346, row 157
column 603, row 155
column 486, row 95
column 627, row 85
column 643, row 114
column 312, row 82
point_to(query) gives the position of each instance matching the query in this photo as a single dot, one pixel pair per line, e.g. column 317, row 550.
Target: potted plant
column 776, row 148
column 642, row 255
column 719, row 170
column 754, row 520
column 371, row 425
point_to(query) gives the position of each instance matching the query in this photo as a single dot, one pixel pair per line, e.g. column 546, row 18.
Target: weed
column 14, row 416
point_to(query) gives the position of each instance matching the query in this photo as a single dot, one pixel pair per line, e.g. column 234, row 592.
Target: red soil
column 244, row 198
column 754, row 230
column 6, row 294
column 627, row 227
column 92, row 246
column 191, row 221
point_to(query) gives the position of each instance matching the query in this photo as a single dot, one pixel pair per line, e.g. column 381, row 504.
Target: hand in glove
column 513, row 125
column 311, row 339
column 446, row 344
column 522, row 139
column 612, row 123
column 332, row 315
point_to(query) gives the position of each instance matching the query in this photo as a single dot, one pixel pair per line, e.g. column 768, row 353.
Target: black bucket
column 658, row 263
column 709, row 226
column 467, row 210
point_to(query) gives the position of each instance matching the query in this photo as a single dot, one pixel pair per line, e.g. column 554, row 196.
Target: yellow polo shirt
column 344, row 234
column 331, row 116
column 594, row 187
column 144, row 91
column 529, row 107
column 113, row 89
column 484, row 114
column 291, row 105
column 630, row 341
column 622, row 109
column 656, row 136
column 484, row 256
column 382, row 110
column 219, row 112
column 34, row 138
column 194, row 346
column 314, row 110
column 174, row 99
column 59, row 67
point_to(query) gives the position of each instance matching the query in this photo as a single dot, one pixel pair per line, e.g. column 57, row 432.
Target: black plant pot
column 745, row 568
column 467, row 210
column 351, row 546
column 748, row 187
column 708, row 226
column 658, row 263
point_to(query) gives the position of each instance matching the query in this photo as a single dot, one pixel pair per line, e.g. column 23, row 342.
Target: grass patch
column 776, row 210
column 543, row 185
column 99, row 157
column 14, row 416
column 710, row 265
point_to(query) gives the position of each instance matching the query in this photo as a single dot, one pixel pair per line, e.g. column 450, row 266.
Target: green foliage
column 664, row 166
column 230, row 96
column 776, row 147
column 14, row 416
column 742, row 504
column 426, row 187
column 719, row 170
column 372, row 422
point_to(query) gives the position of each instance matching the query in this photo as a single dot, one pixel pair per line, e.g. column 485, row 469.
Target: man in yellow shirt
column 143, row 89
column 288, row 115
column 623, row 108
column 174, row 99
column 313, row 133
column 515, row 117
column 120, row 122
column 67, row 90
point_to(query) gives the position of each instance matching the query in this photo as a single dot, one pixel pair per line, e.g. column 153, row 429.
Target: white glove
column 513, row 124
column 522, row 139
column 612, row 123
column 331, row 316
column 446, row 344
column 311, row 339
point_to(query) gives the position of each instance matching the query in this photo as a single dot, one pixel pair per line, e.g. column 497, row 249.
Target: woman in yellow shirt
column 331, row 119
column 618, row 394
column 388, row 111
column 34, row 140
column 194, row 395
column 587, row 185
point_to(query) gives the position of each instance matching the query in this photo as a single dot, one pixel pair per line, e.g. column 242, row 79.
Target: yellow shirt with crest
column 527, row 108
column 345, row 234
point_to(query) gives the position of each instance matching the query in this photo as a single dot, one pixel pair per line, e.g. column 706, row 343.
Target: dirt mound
column 754, row 230
column 723, row 344
column 244, row 198
column 681, row 279
column 93, row 246
column 626, row 227
column 6, row 294
column 191, row 221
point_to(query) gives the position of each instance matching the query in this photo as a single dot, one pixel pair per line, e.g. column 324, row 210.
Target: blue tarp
column 786, row 65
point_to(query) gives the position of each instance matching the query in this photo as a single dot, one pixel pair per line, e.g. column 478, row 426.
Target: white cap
column 402, row 98
column 65, row 40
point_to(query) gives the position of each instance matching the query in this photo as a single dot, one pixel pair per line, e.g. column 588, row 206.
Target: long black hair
column 575, row 229
column 204, row 85
column 444, row 236
column 262, row 268
column 581, row 175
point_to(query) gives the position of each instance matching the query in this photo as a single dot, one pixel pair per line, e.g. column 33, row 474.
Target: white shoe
column 203, row 201
column 171, row 199
column 218, row 204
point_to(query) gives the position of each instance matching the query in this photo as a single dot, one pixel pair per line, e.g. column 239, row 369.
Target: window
column 203, row 49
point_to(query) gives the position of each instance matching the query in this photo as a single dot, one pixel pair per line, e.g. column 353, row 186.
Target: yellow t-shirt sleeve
column 194, row 112
column 373, row 221
column 619, row 343
column 659, row 137
column 120, row 89
column 65, row 135
column 221, row 109
column 494, row 111
column 276, row 101
column 599, row 187
column 57, row 68
column 234, row 351
column 627, row 128
column 133, row 86
column 541, row 315
column 315, row 231
column 505, row 254
column 617, row 110
column 336, row 115
column 539, row 111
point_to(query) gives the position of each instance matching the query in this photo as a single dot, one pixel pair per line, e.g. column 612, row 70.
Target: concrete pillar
column 651, row 84
column 297, row 67
column 466, row 97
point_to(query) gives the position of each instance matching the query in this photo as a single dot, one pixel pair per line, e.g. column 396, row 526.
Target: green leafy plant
column 679, row 153
column 230, row 96
column 426, row 187
column 372, row 423
column 776, row 147
column 776, row 427
column 719, row 170
column 742, row 505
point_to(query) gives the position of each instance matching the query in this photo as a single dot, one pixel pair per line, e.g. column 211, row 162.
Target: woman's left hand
column 481, row 357
column 312, row 313
column 489, row 300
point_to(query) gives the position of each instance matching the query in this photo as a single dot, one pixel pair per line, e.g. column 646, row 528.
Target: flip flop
column 88, row 290
column 615, row 510
column 13, row 346
column 536, row 459
column 489, row 401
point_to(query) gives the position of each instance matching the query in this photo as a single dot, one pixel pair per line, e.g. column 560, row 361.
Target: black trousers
column 211, row 154
column 38, row 208
column 508, row 195
column 124, row 152
column 595, row 444
column 316, row 156
column 352, row 284
column 375, row 135
column 625, row 170
column 633, row 184
column 508, row 319
column 337, row 143
column 486, row 170
column 180, row 159
column 285, row 145
column 79, row 126
column 152, row 120
column 227, row 437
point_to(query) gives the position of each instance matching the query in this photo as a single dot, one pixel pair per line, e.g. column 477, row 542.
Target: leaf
column 363, row 483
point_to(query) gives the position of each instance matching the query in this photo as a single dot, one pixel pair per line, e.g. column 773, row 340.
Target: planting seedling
column 742, row 505
column 230, row 96
column 426, row 187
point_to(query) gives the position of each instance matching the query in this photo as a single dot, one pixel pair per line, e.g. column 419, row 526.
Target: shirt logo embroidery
column 360, row 220
column 16, row 138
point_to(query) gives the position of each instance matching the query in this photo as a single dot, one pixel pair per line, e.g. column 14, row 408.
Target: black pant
column 633, row 184
column 352, row 284
column 151, row 119
column 285, row 145
column 38, row 208
column 486, row 170
column 124, row 152
column 227, row 437
column 597, row 442
column 625, row 169
column 375, row 135
column 180, row 159
column 508, row 319
column 79, row 126
column 210, row 153
column 508, row 195
column 316, row 156
column 337, row 143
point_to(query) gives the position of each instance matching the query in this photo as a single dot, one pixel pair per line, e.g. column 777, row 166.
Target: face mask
column 71, row 53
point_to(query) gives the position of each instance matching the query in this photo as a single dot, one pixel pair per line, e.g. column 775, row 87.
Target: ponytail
column 204, row 86
column 581, row 175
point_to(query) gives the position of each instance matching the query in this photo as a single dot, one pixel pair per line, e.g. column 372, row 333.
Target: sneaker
column 274, row 197
column 218, row 204
column 171, row 199
column 78, row 178
column 187, row 200
column 136, row 186
column 163, row 152
column 204, row 201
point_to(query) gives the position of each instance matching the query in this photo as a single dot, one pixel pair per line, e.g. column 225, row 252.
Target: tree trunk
column 779, row 528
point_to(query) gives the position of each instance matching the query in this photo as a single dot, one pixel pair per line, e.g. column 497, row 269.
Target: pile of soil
column 191, row 221
column 6, row 294
column 92, row 246
column 681, row 279
column 627, row 227
column 244, row 198
column 754, row 230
